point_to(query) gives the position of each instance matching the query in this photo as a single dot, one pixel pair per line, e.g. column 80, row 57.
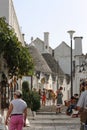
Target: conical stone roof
column 39, row 62
column 54, row 66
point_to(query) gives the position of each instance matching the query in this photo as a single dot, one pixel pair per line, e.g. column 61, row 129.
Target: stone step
column 50, row 109
column 46, row 113
column 46, row 121
column 52, row 116
column 52, row 120
column 49, row 120
column 73, row 127
column 53, row 124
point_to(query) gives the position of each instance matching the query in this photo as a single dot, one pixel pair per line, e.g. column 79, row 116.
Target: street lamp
column 71, row 32
column 57, row 75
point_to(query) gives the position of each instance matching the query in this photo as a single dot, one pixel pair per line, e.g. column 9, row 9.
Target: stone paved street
column 47, row 119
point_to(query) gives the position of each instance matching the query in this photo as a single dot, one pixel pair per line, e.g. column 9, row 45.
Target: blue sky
column 54, row 16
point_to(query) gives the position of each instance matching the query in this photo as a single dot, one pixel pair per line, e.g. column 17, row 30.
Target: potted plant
column 31, row 97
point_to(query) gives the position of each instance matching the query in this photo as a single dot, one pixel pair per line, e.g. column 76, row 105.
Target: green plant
column 17, row 57
column 25, row 91
column 32, row 98
column 35, row 101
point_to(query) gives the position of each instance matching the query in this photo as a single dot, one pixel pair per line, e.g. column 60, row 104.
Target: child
column 44, row 98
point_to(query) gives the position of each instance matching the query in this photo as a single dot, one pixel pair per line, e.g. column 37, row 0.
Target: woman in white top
column 17, row 112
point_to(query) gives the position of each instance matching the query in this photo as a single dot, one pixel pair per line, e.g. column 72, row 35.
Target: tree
column 18, row 58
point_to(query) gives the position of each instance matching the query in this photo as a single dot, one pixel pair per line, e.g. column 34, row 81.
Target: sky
column 54, row 16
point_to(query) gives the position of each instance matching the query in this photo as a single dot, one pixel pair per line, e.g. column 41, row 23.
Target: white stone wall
column 78, row 45
column 62, row 55
column 50, row 50
column 39, row 45
column 4, row 9
column 46, row 42
column 66, row 91
column 7, row 10
column 79, row 75
column 13, row 21
column 42, row 45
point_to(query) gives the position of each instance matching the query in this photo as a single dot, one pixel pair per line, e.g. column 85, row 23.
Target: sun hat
column 18, row 92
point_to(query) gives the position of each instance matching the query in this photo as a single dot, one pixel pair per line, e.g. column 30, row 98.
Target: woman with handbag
column 59, row 100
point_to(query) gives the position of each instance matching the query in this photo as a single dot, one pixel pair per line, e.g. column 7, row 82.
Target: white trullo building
column 7, row 10
column 62, row 54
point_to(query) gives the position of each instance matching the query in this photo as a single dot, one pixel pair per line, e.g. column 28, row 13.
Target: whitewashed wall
column 62, row 55
column 41, row 44
column 7, row 10
column 38, row 44
column 66, row 90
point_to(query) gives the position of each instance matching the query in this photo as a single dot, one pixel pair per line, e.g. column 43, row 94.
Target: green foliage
column 31, row 97
column 25, row 64
column 6, row 34
column 25, row 91
column 35, row 101
column 18, row 58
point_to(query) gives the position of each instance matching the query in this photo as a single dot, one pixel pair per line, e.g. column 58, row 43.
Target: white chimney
column 31, row 39
column 46, row 42
column 32, row 43
column 23, row 35
column 78, row 45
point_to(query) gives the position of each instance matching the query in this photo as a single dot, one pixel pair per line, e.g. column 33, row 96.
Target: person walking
column 17, row 112
column 44, row 98
column 82, row 107
column 53, row 98
column 59, row 100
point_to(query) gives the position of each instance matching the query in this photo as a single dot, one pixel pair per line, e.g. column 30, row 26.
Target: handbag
column 83, row 116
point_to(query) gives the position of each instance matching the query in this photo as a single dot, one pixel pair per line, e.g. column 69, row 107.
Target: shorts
column 16, row 122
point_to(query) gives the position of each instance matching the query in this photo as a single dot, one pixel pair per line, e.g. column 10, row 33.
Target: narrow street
column 47, row 119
